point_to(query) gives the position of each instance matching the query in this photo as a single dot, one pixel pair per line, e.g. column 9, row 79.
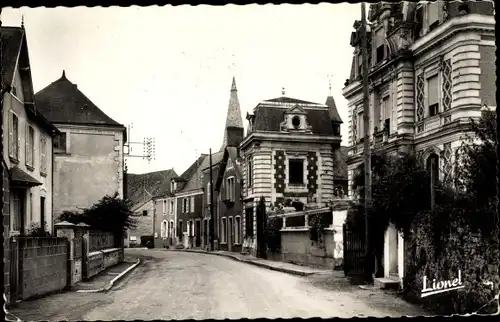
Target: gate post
column 85, row 248
column 67, row 230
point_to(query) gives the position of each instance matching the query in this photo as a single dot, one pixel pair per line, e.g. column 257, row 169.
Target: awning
column 21, row 178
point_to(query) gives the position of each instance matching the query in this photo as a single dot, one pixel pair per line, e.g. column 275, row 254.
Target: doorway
column 230, row 234
column 198, row 233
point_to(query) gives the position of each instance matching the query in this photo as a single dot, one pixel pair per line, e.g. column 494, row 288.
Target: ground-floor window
column 16, row 209
column 223, row 230
column 230, row 231
column 163, row 232
column 249, row 221
column 180, row 230
column 171, row 229
column 237, row 230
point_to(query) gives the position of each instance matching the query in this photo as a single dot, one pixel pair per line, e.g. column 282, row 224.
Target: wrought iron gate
column 354, row 251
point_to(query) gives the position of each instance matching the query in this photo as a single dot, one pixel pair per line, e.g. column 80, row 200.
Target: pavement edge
column 113, row 281
column 251, row 262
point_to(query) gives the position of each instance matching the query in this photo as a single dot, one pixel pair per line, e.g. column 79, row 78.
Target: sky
column 167, row 71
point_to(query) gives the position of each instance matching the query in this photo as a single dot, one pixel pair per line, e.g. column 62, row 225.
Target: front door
column 230, row 234
column 198, row 233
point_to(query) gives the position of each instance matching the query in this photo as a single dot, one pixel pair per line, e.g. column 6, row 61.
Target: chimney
column 234, row 136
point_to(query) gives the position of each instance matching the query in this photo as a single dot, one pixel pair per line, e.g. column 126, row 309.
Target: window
column 387, row 113
column 237, row 230
column 43, row 154
column 185, row 205
column 336, row 129
column 360, row 126
column 230, row 228
column 380, row 53
column 171, row 206
column 172, row 186
column 229, row 163
column 230, row 189
column 192, row 204
column 16, row 209
column 250, row 172
column 14, row 136
column 30, row 145
column 60, row 143
column 432, row 15
column 296, row 171
column 223, row 232
column 30, row 201
column 164, row 206
column 433, row 95
column 171, row 229
column 163, row 232
column 144, row 212
column 296, row 121
column 209, row 193
column 42, row 213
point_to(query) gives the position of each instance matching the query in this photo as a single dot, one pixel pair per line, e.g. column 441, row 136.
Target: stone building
column 431, row 68
column 287, row 153
column 27, row 149
column 142, row 188
column 88, row 155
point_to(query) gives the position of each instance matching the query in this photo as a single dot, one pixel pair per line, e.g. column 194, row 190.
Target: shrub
column 273, row 234
column 37, row 231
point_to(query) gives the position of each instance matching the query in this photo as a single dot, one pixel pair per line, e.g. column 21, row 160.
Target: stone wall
column 100, row 260
column 43, row 266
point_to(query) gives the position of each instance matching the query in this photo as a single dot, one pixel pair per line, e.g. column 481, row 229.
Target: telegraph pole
column 433, row 182
column 212, row 224
column 366, row 140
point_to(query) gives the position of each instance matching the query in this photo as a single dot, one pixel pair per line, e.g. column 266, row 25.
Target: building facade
column 88, row 154
column 431, row 68
column 208, row 199
column 287, row 153
column 27, row 142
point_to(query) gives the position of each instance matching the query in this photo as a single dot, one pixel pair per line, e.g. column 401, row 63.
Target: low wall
column 44, row 265
column 297, row 248
column 98, row 261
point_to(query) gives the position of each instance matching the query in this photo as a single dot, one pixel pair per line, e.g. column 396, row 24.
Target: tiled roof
column 332, row 109
column 216, row 158
column 340, row 163
column 11, row 43
column 268, row 118
column 156, row 183
column 195, row 180
column 63, row 102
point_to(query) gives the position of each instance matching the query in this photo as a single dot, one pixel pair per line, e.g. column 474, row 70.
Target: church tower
column 233, row 118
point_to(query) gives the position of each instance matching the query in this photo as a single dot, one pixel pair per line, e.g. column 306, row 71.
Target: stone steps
column 385, row 283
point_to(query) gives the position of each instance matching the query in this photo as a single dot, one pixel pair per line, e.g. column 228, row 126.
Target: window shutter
column 11, row 134
column 192, row 204
column 27, row 142
column 432, row 89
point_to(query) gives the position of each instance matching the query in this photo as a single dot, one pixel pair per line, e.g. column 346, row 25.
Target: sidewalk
column 106, row 279
column 272, row 265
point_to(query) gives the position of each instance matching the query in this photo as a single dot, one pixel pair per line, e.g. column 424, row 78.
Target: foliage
column 37, row 231
column 272, row 233
column 318, row 222
column 111, row 214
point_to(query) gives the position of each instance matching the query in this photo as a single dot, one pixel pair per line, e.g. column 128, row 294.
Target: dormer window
column 172, row 186
column 336, row 129
column 296, row 122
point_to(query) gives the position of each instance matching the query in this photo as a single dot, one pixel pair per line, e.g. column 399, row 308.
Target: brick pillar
column 67, row 230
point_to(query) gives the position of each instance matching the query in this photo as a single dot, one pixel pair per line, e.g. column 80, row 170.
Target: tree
column 110, row 214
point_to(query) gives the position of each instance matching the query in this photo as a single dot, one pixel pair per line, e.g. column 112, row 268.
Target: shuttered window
column 43, row 154
column 14, row 138
column 192, row 204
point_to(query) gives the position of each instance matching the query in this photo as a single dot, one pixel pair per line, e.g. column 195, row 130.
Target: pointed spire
column 233, row 118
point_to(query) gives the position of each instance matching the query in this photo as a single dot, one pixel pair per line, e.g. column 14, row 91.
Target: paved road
column 176, row 285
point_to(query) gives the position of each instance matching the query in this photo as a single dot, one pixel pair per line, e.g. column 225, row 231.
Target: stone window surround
column 295, row 155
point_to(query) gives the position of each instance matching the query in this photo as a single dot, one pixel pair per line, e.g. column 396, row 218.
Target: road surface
column 178, row 285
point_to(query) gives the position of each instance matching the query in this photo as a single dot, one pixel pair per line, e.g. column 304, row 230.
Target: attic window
column 336, row 129
column 296, row 121
column 60, row 143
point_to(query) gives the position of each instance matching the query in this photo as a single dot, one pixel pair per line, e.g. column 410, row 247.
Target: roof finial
column 330, row 85
column 233, row 85
column 22, row 21
column 64, row 74
column 283, row 91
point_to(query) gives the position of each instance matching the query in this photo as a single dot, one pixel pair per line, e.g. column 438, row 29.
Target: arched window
column 172, row 229
column 163, row 229
column 432, row 165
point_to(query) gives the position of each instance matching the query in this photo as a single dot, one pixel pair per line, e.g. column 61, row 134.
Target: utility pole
column 366, row 149
column 433, row 182
column 212, row 224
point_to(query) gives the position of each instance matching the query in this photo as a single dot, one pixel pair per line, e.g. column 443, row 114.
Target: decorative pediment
column 295, row 120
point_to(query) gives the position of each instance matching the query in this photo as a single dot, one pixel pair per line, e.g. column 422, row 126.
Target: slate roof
column 332, row 109
column 156, row 183
column 63, row 102
column 268, row 117
column 195, row 180
column 229, row 153
column 11, row 43
column 216, row 159
column 340, row 164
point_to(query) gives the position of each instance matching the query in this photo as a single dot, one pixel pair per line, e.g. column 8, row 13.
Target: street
column 178, row 285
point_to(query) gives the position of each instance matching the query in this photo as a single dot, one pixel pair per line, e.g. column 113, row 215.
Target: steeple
column 233, row 118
